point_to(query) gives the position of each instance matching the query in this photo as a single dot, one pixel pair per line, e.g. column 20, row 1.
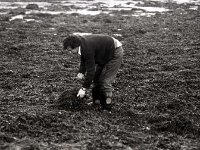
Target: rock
column 68, row 100
column 107, row 20
column 32, row 6
column 4, row 18
column 18, row 11
column 5, row 138
column 179, row 11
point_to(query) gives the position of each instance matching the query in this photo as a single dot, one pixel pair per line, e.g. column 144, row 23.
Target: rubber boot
column 96, row 95
column 106, row 102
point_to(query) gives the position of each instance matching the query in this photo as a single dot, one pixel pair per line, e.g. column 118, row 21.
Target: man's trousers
column 106, row 74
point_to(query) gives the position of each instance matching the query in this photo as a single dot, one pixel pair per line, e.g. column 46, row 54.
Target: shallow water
column 182, row 1
column 93, row 7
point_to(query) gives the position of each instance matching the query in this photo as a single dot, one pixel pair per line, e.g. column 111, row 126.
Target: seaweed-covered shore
column 157, row 89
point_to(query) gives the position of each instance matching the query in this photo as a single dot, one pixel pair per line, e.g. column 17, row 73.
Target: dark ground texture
column 157, row 91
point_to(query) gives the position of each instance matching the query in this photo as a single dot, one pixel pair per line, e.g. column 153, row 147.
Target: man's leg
column 108, row 75
column 96, row 93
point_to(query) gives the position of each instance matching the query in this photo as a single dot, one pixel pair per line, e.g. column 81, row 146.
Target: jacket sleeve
column 82, row 68
column 90, row 71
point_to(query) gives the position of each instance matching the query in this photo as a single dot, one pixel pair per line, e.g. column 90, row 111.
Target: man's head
column 72, row 41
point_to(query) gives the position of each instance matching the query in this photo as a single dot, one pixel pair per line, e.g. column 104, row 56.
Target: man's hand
column 80, row 76
column 81, row 93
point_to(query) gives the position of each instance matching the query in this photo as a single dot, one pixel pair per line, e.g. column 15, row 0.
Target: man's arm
column 82, row 68
column 90, row 71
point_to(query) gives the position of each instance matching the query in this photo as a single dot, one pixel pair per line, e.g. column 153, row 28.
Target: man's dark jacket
column 95, row 49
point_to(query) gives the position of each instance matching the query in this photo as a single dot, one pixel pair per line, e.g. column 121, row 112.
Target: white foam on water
column 81, row 11
column 153, row 9
column 87, row 12
column 143, row 14
column 21, row 17
column 29, row 20
column 81, row 33
column 119, row 35
column 45, row 12
column 3, row 13
column 194, row 8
